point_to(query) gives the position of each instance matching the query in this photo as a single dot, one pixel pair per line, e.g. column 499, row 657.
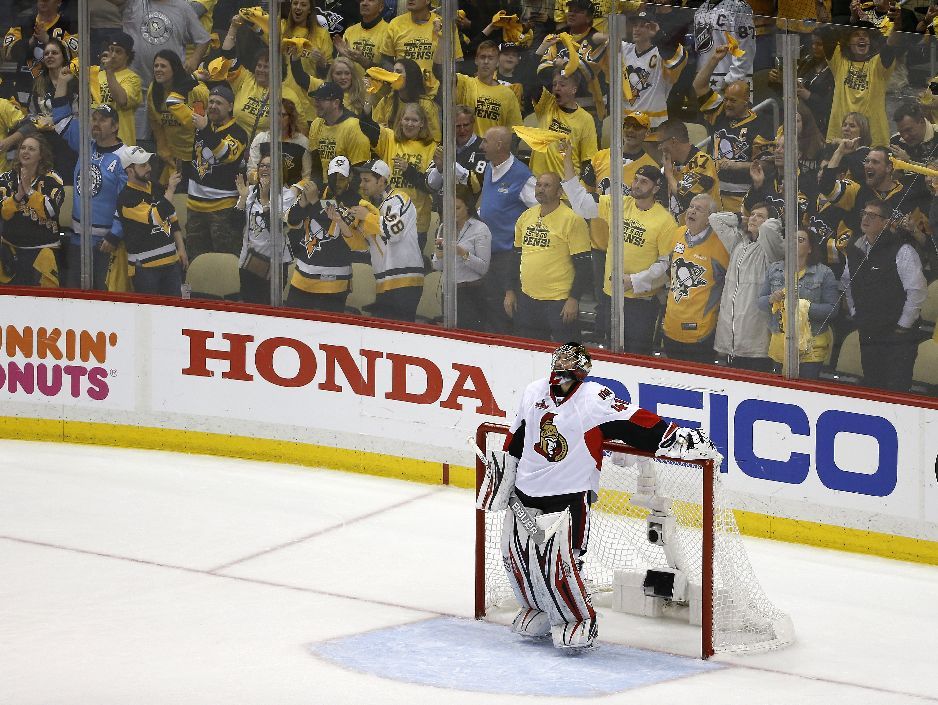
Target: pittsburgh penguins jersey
column 322, row 256
column 590, row 67
column 697, row 272
column 713, row 23
column 576, row 125
column 903, row 201
column 257, row 237
column 172, row 124
column 736, row 139
column 695, row 176
column 216, row 159
column 34, row 222
column 494, row 106
column 651, row 76
column 393, row 244
column 470, row 168
column 18, row 46
column 828, row 220
column 559, row 442
column 148, row 224
column 418, row 155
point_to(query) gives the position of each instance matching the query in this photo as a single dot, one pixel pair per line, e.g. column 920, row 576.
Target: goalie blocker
column 551, row 468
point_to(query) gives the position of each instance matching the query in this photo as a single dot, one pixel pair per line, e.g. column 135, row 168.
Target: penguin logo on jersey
column 313, row 241
column 730, row 146
column 686, row 276
column 551, row 444
column 637, row 76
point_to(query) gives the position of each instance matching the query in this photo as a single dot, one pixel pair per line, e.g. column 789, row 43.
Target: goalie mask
column 569, row 363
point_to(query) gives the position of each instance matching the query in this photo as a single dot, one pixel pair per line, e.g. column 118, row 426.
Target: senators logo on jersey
column 551, row 444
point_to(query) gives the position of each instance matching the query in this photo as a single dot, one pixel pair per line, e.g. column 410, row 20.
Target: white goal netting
column 743, row 618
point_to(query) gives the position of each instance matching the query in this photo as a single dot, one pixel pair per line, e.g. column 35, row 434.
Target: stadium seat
column 930, row 307
column 697, row 133
column 363, row 288
column 214, row 275
column 65, row 214
column 430, row 308
column 926, row 364
column 848, row 362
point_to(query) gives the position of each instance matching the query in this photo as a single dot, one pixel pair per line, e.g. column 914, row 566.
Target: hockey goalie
column 547, row 477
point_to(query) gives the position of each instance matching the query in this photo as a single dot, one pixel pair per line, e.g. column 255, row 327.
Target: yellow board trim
column 382, row 465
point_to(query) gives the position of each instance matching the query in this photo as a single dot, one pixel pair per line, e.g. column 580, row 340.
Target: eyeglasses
column 869, row 214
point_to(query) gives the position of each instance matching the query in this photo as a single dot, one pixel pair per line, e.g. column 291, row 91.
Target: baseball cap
column 585, row 5
column 134, row 155
column 328, row 91
column 639, row 117
column 376, row 167
column 223, row 90
column 106, row 111
column 650, row 172
column 339, row 165
column 644, row 16
column 509, row 46
column 123, row 40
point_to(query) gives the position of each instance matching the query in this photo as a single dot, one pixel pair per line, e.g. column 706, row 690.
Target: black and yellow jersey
column 148, row 224
column 216, row 159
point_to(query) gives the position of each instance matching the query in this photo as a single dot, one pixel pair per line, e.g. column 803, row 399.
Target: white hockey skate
column 577, row 635
column 531, row 622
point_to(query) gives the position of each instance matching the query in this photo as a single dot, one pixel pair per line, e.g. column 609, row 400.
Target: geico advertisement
column 76, row 353
column 789, row 444
column 412, row 388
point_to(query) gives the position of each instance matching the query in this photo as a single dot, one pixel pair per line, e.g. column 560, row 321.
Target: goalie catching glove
column 688, row 444
column 498, row 482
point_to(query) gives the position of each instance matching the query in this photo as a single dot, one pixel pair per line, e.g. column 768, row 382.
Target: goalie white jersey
column 560, row 443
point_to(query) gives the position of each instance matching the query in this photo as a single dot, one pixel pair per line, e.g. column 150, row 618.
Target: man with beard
column 155, row 249
column 216, row 159
column 648, row 229
column 106, row 181
column 904, row 204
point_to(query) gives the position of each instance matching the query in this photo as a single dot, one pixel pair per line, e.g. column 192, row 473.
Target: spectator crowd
column 181, row 165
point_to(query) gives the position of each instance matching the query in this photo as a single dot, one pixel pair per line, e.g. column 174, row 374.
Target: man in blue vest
column 507, row 191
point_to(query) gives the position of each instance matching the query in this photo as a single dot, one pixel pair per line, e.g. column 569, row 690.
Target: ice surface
column 156, row 578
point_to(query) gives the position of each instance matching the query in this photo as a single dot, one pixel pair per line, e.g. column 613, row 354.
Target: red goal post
column 734, row 613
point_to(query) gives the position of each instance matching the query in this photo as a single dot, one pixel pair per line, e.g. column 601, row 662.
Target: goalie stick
column 537, row 534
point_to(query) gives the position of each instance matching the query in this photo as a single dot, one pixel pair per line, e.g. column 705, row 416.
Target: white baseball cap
column 376, row 167
column 339, row 165
column 134, row 155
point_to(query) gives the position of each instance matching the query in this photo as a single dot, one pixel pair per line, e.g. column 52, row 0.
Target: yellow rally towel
column 257, row 19
column 574, row 63
column 47, row 267
column 733, row 45
column 118, row 272
column 218, row 69
column 300, row 46
column 627, row 90
column 395, row 80
column 512, row 29
column 536, row 138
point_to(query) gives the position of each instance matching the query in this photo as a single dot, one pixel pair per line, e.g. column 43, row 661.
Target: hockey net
column 736, row 615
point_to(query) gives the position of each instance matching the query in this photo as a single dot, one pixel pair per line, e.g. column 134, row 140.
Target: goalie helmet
column 569, row 363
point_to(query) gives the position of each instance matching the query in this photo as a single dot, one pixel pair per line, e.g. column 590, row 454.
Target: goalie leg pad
column 515, row 557
column 531, row 622
column 498, row 482
column 559, row 586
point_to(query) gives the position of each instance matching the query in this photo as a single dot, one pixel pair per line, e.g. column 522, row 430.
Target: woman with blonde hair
column 344, row 75
column 408, row 149
column 31, row 196
column 854, row 126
